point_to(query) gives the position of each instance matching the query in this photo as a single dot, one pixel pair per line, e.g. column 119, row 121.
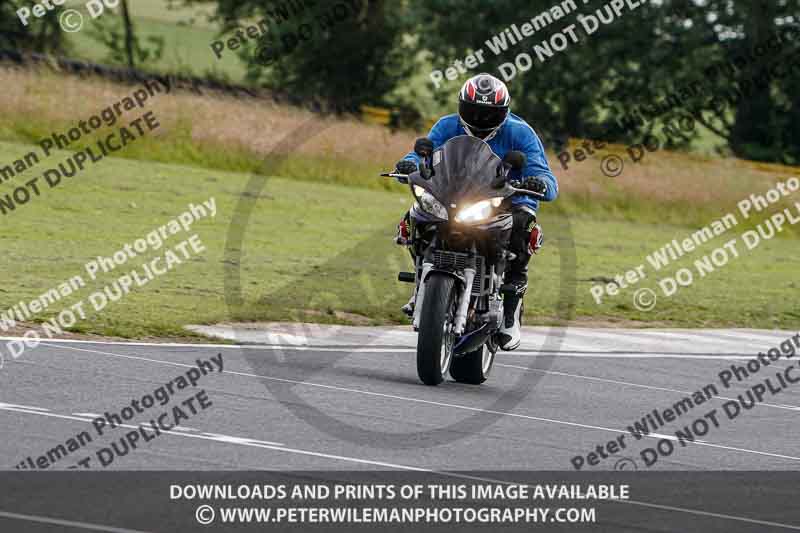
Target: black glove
column 423, row 147
column 534, row 184
column 406, row 166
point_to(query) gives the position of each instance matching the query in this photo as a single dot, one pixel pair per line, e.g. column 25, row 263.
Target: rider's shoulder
column 517, row 124
column 448, row 121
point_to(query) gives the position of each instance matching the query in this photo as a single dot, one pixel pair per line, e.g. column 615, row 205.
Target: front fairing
column 465, row 170
column 421, row 216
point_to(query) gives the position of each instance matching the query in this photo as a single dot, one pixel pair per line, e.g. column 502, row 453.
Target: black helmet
column 483, row 105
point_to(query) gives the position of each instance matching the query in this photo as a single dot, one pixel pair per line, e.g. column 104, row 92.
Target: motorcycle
column 460, row 227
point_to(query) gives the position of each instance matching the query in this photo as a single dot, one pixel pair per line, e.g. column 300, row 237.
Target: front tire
column 436, row 338
column 474, row 367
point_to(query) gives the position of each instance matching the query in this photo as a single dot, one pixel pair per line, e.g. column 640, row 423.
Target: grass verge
column 323, row 253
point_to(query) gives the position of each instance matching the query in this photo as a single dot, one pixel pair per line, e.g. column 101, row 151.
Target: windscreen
column 464, row 169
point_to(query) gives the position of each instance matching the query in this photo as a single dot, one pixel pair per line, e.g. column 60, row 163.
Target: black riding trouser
column 519, row 245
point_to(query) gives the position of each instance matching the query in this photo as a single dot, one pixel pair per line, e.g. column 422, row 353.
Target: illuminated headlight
column 478, row 211
column 429, row 204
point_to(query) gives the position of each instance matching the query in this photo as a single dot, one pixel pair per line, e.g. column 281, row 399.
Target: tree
column 129, row 35
column 765, row 115
column 737, row 46
column 117, row 35
column 568, row 93
column 341, row 54
column 630, row 76
column 39, row 35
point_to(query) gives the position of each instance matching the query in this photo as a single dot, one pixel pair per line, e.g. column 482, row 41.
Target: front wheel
column 436, row 338
column 474, row 367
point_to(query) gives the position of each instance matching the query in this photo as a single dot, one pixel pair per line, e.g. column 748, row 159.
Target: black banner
column 399, row 501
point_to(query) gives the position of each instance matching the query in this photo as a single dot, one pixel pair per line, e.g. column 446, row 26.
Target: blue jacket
column 514, row 134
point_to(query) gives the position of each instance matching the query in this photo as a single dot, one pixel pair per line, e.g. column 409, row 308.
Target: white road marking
column 756, row 342
column 391, row 349
column 638, row 385
column 68, row 523
column 566, row 353
column 24, row 406
column 742, row 336
column 93, row 416
column 132, row 343
column 240, row 441
column 379, row 349
column 204, row 436
column 683, row 339
column 630, row 355
column 430, row 402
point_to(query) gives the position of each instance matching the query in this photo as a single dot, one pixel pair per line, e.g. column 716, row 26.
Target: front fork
column 462, row 309
column 463, row 305
column 460, row 320
column 419, row 297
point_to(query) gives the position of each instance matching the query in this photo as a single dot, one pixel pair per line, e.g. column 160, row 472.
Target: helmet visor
column 481, row 116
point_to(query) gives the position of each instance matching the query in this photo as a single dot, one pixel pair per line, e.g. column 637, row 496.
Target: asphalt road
column 349, row 399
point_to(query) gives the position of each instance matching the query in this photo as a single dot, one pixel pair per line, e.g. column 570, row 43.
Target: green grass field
column 318, row 245
column 187, row 35
column 323, row 252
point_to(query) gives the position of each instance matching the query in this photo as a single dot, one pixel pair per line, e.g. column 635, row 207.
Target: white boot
column 510, row 334
column 408, row 309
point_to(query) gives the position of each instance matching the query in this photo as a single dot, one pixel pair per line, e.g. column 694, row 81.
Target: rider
column 483, row 112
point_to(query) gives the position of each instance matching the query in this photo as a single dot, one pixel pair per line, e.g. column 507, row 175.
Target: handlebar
column 529, row 193
column 403, row 178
